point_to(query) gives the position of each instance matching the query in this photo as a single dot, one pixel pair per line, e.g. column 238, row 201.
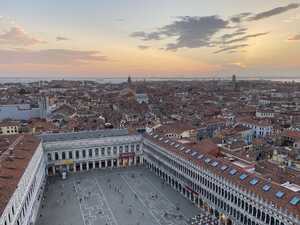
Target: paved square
column 133, row 196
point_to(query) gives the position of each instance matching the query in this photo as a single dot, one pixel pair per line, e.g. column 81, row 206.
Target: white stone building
column 9, row 128
column 222, row 188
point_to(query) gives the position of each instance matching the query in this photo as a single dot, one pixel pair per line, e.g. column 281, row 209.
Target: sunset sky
column 97, row 38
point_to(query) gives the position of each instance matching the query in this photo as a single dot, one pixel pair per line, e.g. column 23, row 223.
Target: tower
column 234, row 83
column 43, row 105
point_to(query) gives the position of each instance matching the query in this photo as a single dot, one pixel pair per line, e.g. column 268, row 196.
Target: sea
column 117, row 80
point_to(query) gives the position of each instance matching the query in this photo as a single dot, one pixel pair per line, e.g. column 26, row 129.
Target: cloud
column 238, row 64
column 17, row 36
column 245, row 38
column 274, row 12
column 197, row 32
column 239, row 17
column 238, row 32
column 49, row 56
column 231, row 48
column 60, row 38
column 147, row 36
column 294, row 38
column 143, row 47
column 189, row 32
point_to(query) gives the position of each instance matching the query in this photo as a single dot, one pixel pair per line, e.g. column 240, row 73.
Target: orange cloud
column 294, row 38
column 49, row 56
column 17, row 36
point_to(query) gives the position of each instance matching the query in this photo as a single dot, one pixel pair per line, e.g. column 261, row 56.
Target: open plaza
column 133, row 196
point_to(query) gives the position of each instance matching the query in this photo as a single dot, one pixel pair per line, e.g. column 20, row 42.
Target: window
column 215, row 163
column 295, row 200
column 115, row 150
column 232, row 172
column 102, row 151
column 223, row 168
column 56, row 156
column 132, row 148
column 70, row 155
column 254, row 181
column 187, row 151
column 96, row 151
column 90, row 152
column 77, row 154
column 200, row 156
column 126, row 148
column 279, row 194
column 243, row 176
column 137, row 148
column 121, row 149
column 109, row 151
column 83, row 154
column 63, row 155
column 207, row 160
column 266, row 187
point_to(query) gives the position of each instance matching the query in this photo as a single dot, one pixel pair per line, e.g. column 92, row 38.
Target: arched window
column 267, row 219
column 272, row 220
column 56, row 156
column 63, row 155
column 254, row 211
column 258, row 214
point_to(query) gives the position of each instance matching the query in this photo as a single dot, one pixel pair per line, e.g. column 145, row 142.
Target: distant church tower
column 234, row 83
column 129, row 82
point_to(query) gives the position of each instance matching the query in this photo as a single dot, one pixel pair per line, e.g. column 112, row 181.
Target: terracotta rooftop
column 14, row 159
column 9, row 123
column 291, row 134
column 174, row 128
column 268, row 190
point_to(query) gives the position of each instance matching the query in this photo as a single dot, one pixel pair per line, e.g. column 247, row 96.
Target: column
column 74, row 167
column 94, row 164
column 80, row 166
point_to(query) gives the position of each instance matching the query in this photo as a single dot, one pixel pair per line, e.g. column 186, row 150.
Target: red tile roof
column 269, row 196
column 13, row 162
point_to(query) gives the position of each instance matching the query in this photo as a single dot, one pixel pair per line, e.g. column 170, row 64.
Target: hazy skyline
column 149, row 38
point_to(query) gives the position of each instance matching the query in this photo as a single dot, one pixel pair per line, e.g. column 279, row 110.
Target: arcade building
column 228, row 192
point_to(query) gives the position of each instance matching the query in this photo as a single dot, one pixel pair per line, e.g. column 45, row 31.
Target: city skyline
column 170, row 38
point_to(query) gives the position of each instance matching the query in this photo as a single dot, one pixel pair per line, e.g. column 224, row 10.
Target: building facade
column 81, row 152
column 9, row 128
column 229, row 193
column 216, row 186
column 23, row 205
